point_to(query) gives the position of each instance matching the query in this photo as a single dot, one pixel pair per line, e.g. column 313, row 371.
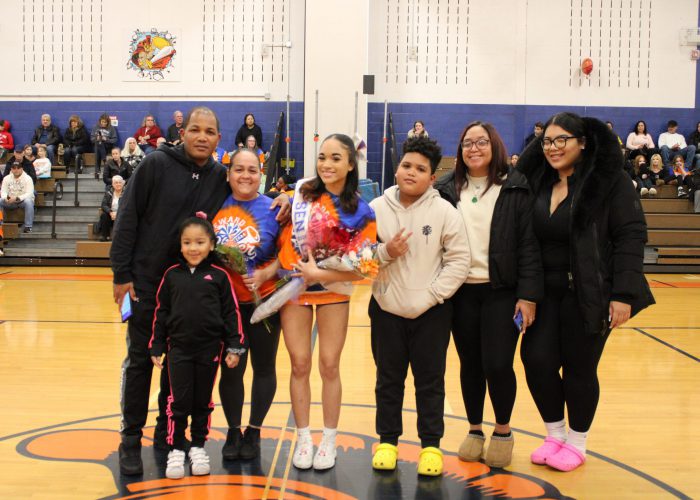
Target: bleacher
column 674, row 233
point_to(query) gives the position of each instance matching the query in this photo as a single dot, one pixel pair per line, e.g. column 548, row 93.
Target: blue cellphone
column 126, row 307
column 518, row 320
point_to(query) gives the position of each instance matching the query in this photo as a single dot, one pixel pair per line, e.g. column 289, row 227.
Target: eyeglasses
column 480, row 144
column 559, row 142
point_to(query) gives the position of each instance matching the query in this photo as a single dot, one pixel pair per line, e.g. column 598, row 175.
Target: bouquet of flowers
column 333, row 247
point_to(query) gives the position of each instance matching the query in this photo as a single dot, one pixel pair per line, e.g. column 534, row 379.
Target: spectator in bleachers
column 7, row 142
column 672, row 143
column 104, row 136
column 47, row 134
column 75, row 142
column 28, row 158
column 641, row 178
column 514, row 159
column 42, row 165
column 147, row 136
column 18, row 192
column 657, row 172
column 173, row 136
column 611, row 126
column 160, row 141
column 116, row 165
column 251, row 144
column 694, row 140
column 19, row 157
column 132, row 153
column 283, row 185
column 249, row 127
column 536, row 133
column 110, row 204
column 640, row 142
column 681, row 174
column 418, row 130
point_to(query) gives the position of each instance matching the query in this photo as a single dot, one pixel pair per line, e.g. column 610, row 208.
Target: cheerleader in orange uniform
column 332, row 193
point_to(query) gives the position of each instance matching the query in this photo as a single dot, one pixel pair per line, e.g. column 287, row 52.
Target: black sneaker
column 27, row 230
column 130, row 463
column 232, row 447
column 250, row 448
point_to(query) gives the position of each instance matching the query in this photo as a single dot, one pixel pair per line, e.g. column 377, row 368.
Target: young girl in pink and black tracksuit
column 195, row 320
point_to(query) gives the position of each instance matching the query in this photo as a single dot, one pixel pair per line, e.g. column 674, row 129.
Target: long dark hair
column 499, row 158
column 313, row 189
column 636, row 125
column 574, row 124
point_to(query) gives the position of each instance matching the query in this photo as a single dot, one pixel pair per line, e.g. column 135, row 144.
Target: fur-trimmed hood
column 595, row 176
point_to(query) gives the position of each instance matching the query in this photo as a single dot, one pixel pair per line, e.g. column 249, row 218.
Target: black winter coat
column 514, row 253
column 195, row 310
column 165, row 189
column 54, row 135
column 608, row 228
column 77, row 137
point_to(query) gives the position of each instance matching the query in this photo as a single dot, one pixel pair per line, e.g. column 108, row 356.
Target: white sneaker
column 303, row 454
column 644, row 191
column 325, row 455
column 1, row 252
column 652, row 191
column 176, row 465
column 199, row 461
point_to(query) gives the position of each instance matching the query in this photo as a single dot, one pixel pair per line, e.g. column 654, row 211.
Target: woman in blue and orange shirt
column 332, row 192
column 246, row 220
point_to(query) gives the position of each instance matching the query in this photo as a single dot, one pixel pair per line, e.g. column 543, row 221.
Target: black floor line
column 671, row 346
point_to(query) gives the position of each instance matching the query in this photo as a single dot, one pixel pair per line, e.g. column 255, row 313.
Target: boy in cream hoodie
column 424, row 257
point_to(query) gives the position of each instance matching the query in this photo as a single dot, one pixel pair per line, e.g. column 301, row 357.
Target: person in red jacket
column 7, row 143
column 147, row 136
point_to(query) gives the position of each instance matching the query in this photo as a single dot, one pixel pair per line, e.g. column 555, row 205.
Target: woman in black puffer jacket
column 591, row 229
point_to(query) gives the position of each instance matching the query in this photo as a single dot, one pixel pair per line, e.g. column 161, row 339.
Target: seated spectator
column 221, row 155
column 108, row 209
column 104, row 136
column 418, row 130
column 18, row 155
column 248, row 128
column 160, row 141
column 283, row 185
column 7, row 142
column 514, row 159
column 48, row 135
column 679, row 174
column 640, row 142
column 657, row 172
column 173, row 136
column 75, row 142
column 27, row 164
column 28, row 161
column 147, row 136
column 611, row 126
column 694, row 140
column 250, row 143
column 116, row 165
column 18, row 192
column 42, row 165
column 536, row 133
column 641, row 178
column 132, row 153
column 671, row 143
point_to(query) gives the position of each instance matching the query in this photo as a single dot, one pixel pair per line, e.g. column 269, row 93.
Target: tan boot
column 500, row 451
column 472, row 448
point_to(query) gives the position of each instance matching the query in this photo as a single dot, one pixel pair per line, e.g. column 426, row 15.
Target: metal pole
column 316, row 129
column 289, row 80
column 384, row 139
column 287, row 139
column 354, row 130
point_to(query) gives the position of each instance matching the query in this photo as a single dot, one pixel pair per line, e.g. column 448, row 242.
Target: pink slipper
column 550, row 447
column 566, row 459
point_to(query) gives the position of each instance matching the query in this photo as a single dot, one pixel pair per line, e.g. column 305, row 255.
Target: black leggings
column 485, row 337
column 262, row 346
column 557, row 340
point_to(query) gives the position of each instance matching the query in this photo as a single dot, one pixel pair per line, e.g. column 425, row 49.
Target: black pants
column 555, row 341
column 106, row 224
column 102, row 151
column 137, row 370
column 421, row 343
column 70, row 152
column 192, row 376
column 262, row 349
column 485, row 337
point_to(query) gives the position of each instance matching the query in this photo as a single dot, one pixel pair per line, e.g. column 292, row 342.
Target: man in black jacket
column 49, row 135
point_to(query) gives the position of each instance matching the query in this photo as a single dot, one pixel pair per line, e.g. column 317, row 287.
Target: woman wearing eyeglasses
column 504, row 282
column 591, row 231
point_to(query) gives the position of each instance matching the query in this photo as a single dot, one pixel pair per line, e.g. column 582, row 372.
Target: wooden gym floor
column 61, row 346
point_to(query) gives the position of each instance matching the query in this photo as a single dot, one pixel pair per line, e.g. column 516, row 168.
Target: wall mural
column 152, row 56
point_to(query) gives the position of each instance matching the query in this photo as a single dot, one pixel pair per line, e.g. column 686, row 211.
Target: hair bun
column 201, row 215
